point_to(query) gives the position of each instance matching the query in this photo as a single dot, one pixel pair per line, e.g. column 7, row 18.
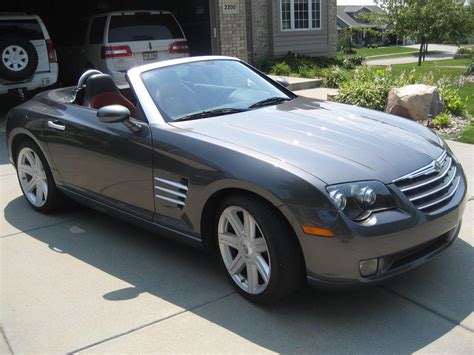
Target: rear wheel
column 35, row 178
column 257, row 250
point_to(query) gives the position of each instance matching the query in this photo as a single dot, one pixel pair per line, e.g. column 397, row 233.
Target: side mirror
column 113, row 114
column 282, row 81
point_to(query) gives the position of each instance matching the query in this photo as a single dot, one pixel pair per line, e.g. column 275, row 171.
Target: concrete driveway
column 80, row 281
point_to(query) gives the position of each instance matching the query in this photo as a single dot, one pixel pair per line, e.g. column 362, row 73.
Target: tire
column 33, row 176
column 271, row 254
column 18, row 59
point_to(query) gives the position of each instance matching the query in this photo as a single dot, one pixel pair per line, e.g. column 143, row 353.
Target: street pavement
column 390, row 60
column 80, row 281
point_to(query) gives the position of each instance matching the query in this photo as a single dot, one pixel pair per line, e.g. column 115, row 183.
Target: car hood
column 334, row 142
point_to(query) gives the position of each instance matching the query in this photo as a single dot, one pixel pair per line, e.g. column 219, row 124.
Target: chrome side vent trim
column 171, row 191
column 431, row 187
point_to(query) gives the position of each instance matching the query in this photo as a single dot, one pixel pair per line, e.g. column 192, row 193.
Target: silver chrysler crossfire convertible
column 208, row 150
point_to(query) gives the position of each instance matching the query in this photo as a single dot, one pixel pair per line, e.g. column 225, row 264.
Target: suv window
column 96, row 35
column 143, row 27
column 28, row 29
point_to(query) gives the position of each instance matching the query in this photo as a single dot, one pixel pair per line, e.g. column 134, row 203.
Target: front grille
column 431, row 187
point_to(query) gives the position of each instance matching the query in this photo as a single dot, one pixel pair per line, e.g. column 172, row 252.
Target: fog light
column 46, row 81
column 368, row 267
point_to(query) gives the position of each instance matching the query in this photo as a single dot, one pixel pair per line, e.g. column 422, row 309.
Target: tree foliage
column 428, row 20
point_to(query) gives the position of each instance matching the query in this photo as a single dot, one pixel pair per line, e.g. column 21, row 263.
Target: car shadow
column 363, row 320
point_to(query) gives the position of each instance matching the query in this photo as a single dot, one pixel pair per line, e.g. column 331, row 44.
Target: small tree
column 428, row 20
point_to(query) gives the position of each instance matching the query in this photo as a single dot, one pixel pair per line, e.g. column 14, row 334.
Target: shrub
column 451, row 98
column 357, row 59
column 306, row 71
column 442, row 120
column 334, row 76
column 469, row 69
column 367, row 88
column 281, row 68
column 464, row 50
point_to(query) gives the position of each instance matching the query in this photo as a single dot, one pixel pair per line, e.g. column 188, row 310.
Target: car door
column 108, row 162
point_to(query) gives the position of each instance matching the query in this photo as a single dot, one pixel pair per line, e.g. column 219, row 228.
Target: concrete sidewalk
column 406, row 60
column 80, row 281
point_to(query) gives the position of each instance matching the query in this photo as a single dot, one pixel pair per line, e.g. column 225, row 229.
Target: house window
column 300, row 14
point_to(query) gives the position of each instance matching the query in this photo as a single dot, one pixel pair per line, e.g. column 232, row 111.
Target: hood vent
column 171, row 191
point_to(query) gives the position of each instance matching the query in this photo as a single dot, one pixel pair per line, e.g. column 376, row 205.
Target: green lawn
column 384, row 50
column 439, row 68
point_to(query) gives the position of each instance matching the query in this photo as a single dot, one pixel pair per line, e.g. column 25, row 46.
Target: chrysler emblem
column 437, row 166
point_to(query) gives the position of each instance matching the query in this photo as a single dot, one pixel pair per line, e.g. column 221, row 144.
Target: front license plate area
column 148, row 56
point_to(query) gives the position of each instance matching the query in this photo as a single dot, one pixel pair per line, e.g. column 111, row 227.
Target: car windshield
column 209, row 88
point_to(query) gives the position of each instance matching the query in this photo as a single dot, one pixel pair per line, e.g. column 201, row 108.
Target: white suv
column 27, row 57
column 118, row 41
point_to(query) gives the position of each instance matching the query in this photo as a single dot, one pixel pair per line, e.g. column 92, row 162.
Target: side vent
column 171, row 191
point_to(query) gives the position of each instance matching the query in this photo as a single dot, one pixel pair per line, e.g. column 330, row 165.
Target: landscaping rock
column 415, row 102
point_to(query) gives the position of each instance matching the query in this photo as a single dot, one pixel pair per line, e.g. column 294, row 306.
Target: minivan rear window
column 28, row 29
column 143, row 27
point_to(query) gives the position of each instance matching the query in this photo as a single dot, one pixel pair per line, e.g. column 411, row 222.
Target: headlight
column 359, row 199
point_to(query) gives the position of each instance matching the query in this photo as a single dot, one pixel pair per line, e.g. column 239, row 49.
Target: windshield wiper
column 210, row 113
column 270, row 101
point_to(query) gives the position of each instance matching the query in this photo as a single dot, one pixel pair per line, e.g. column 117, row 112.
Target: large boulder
column 415, row 101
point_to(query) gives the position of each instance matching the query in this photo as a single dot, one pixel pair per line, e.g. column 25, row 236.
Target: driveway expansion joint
column 38, row 228
column 6, row 340
column 113, row 337
column 426, row 308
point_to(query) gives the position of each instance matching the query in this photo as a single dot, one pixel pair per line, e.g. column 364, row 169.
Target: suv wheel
column 18, row 59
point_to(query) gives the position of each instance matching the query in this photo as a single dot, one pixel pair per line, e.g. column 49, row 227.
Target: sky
column 355, row 2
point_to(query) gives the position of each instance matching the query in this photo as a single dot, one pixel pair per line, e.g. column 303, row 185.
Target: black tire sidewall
column 53, row 199
column 285, row 258
column 29, row 70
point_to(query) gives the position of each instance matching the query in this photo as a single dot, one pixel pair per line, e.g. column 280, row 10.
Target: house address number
column 231, row 7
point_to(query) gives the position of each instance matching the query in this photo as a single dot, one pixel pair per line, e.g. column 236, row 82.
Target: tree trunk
column 422, row 45
column 425, row 50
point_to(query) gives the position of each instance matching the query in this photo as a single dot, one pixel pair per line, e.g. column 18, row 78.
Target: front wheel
column 257, row 249
column 35, row 178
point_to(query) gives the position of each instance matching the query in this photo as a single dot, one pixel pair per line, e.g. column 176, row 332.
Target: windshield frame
column 152, row 112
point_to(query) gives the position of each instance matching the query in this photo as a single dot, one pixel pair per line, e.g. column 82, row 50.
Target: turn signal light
column 318, row 231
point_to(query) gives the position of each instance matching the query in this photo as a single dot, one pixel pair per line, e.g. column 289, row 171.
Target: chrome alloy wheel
column 244, row 250
column 15, row 58
column 32, row 177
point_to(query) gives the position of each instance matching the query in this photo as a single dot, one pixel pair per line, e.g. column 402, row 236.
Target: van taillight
column 179, row 47
column 116, row 52
column 51, row 52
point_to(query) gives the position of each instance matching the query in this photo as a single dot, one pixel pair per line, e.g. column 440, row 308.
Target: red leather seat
column 101, row 91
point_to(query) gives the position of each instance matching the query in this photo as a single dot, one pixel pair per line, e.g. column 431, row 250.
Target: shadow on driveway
column 370, row 320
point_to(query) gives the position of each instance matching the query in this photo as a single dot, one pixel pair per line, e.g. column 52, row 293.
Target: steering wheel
column 82, row 80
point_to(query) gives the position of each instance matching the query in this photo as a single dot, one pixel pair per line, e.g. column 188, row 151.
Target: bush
column 357, row 59
column 334, row 77
column 367, row 88
column 465, row 50
column 280, row 69
column 442, row 120
column 451, row 98
column 469, row 69
column 306, row 71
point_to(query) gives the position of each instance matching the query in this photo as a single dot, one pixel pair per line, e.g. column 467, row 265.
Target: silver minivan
column 118, row 41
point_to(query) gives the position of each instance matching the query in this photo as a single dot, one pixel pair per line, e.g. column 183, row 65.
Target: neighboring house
column 276, row 27
column 349, row 18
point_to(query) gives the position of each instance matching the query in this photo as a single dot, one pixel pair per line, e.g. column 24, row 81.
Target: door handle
column 57, row 126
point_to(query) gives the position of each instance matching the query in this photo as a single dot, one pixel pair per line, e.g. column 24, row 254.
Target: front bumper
column 401, row 239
